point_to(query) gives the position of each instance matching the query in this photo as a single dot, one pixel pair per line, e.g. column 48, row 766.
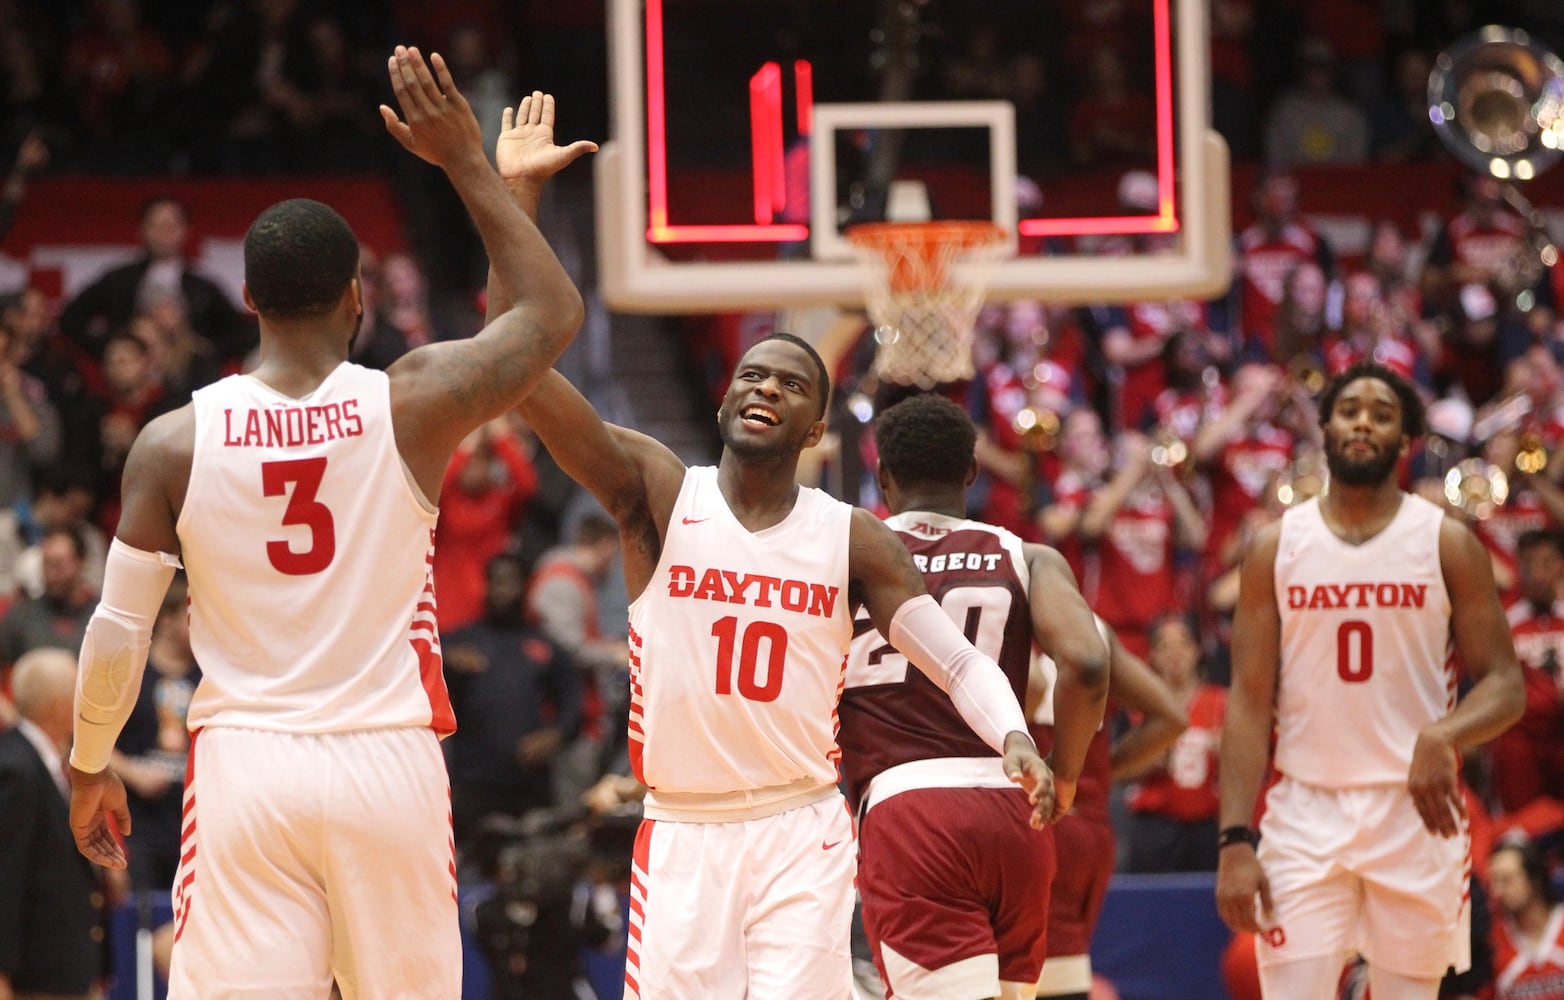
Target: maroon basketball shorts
column 950, row 878
column 1086, row 849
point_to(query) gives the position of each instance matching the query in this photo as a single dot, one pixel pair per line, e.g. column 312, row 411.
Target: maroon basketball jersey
column 890, row 712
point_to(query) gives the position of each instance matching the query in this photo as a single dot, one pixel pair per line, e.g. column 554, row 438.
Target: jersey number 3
column 305, row 474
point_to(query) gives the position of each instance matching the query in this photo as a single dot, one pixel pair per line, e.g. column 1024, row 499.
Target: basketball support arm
column 924, row 633
column 114, row 652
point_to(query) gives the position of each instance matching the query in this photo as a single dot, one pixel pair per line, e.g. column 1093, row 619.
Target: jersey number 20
column 305, row 474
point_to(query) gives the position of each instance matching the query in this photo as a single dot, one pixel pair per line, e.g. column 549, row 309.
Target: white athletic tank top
column 308, row 552
column 1365, row 646
column 738, row 647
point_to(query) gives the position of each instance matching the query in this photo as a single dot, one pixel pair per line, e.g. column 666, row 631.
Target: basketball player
column 1085, row 837
column 1346, row 609
column 743, row 586
column 300, row 498
column 949, row 873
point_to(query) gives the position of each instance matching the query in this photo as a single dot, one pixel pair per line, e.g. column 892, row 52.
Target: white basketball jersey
column 309, row 554
column 1365, row 643
column 738, row 646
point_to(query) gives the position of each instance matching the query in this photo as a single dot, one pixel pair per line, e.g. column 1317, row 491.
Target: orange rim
column 918, row 252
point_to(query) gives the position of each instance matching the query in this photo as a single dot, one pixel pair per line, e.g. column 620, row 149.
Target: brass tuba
column 1496, row 99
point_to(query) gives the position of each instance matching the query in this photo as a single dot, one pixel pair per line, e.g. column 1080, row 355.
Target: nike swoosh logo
column 694, row 520
column 827, row 846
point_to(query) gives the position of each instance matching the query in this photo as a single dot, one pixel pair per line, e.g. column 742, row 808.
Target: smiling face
column 774, row 405
column 1364, row 436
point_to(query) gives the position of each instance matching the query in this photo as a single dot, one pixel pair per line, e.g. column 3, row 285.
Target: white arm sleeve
column 924, row 634
column 114, row 653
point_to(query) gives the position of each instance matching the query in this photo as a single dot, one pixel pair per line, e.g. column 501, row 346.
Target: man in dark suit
column 160, row 271
column 51, row 930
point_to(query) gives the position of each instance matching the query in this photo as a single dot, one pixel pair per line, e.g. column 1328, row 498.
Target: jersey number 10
column 750, row 685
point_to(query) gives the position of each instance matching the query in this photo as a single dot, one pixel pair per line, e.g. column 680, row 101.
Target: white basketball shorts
column 312, row 858
column 756, row 909
column 1355, row 869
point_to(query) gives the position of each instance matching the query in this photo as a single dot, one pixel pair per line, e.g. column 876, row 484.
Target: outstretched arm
column 634, row 477
column 443, row 391
column 1495, row 702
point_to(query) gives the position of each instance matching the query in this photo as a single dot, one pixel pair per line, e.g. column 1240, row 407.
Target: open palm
column 525, row 150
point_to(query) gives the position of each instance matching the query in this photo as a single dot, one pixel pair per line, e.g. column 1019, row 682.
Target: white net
column 922, row 307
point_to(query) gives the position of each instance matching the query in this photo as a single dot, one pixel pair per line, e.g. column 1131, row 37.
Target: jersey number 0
column 1355, row 637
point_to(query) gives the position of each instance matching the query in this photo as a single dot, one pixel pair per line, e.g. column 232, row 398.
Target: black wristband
column 1231, row 835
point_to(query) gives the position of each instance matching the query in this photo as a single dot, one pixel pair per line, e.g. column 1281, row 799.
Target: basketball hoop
column 923, row 310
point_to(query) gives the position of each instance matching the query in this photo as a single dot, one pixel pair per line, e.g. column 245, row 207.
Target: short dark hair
column 70, row 533
column 1412, row 416
column 593, row 528
column 814, row 355
column 299, row 257
column 1533, row 864
column 153, row 202
column 1183, row 618
column 925, row 440
column 1538, row 537
column 505, row 558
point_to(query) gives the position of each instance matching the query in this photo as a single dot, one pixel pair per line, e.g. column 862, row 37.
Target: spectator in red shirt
column 1298, row 336
column 1368, row 332
column 1528, row 759
column 1247, row 446
column 133, row 394
column 487, row 487
column 1528, row 936
column 1268, row 251
column 1129, row 528
column 562, row 600
column 1174, row 804
column 1018, row 402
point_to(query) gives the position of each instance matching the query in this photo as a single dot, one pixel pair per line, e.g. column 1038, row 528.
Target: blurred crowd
column 258, row 86
column 1148, row 442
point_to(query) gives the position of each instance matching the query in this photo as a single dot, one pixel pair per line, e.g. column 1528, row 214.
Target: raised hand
column 439, row 126
column 525, row 151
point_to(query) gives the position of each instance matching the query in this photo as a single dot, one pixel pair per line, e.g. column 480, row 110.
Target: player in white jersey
column 301, row 498
column 1345, row 614
column 954, row 890
column 743, row 586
